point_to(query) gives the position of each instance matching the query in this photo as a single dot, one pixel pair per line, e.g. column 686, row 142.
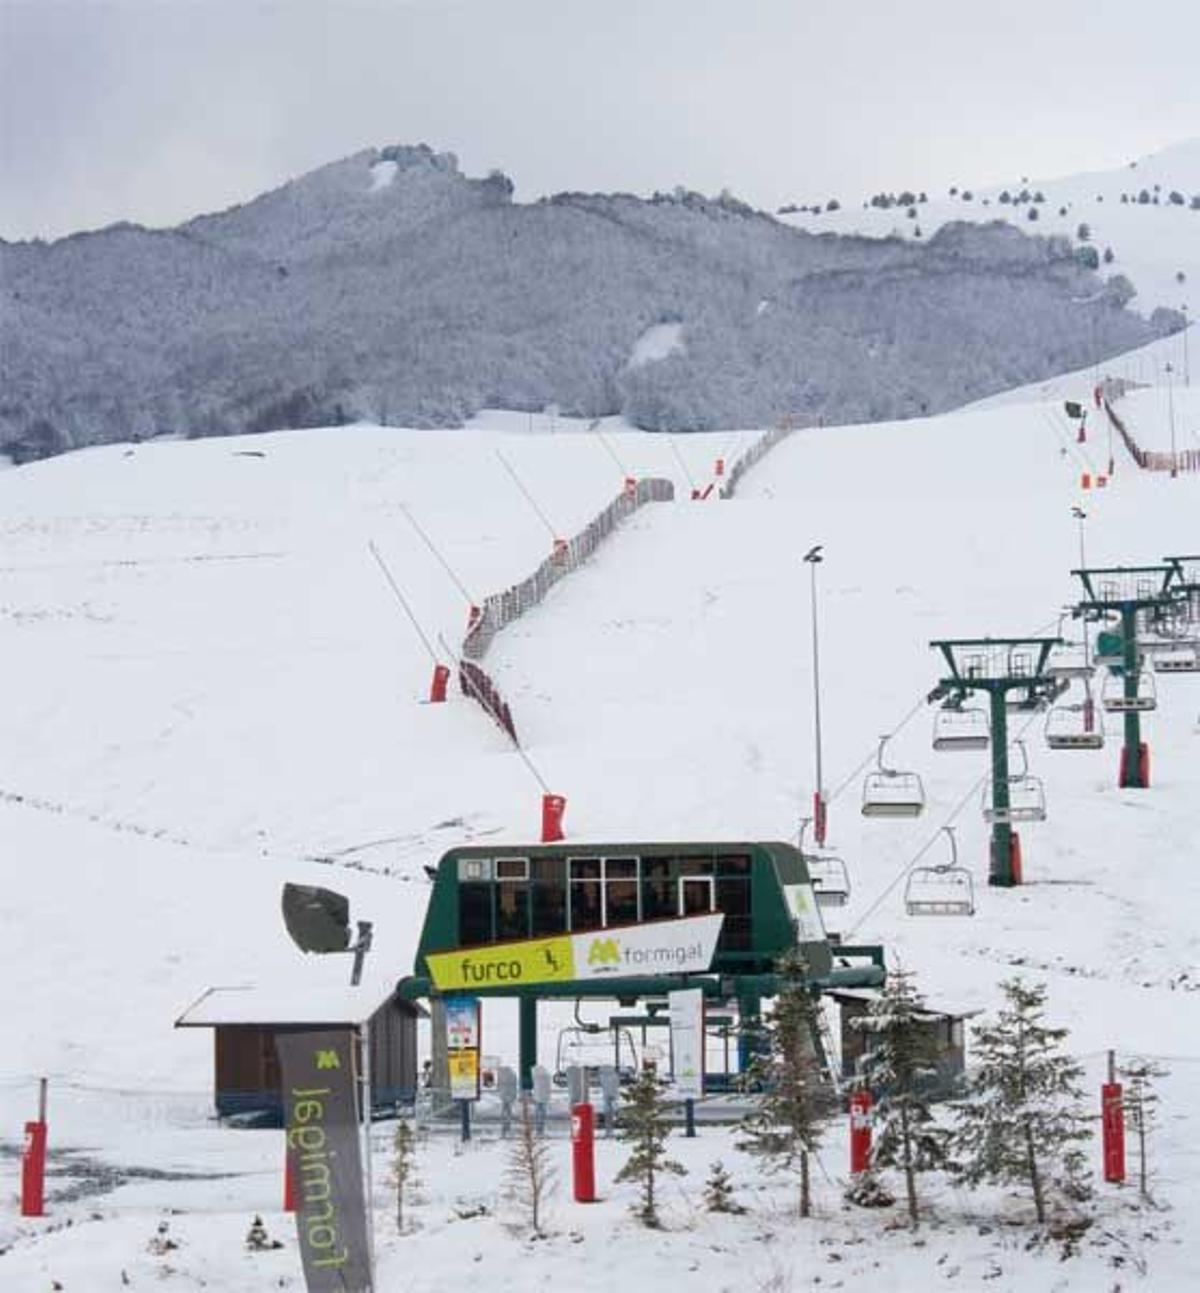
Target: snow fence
column 501, row 609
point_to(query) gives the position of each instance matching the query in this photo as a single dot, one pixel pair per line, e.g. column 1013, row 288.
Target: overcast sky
column 154, row 110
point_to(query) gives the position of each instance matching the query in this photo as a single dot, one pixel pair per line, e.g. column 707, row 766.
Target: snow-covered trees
column 1022, row 1121
column 642, row 1124
column 404, row 1166
column 899, row 1061
column 1141, row 1106
column 784, row 1129
column 718, row 1191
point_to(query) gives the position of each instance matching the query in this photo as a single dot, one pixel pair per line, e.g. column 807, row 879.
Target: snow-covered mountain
column 1146, row 214
column 391, row 288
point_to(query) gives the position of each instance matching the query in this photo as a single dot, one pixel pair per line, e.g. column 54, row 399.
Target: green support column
column 1000, row 870
column 1131, row 758
column 527, row 1039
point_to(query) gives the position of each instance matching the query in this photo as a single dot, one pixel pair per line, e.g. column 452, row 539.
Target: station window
column 549, row 896
column 733, row 898
column 621, row 905
column 512, row 898
column 604, row 891
column 474, row 913
column 659, row 899
column 587, row 901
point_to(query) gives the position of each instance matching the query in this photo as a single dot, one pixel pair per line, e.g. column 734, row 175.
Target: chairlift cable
column 529, row 498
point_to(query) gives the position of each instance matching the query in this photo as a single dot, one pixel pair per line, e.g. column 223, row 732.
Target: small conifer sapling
column 642, row 1124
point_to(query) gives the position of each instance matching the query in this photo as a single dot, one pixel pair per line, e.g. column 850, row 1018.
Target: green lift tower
column 1135, row 597
column 1012, row 672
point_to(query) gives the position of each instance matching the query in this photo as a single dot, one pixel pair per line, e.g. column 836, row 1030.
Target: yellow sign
column 464, row 1074
column 502, row 965
column 679, row 946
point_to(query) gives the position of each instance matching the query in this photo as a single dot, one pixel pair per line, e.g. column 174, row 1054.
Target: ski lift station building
column 552, row 921
column 246, row 1020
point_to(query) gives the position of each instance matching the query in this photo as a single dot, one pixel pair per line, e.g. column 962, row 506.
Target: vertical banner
column 687, row 1041
column 463, row 1043
column 319, row 1081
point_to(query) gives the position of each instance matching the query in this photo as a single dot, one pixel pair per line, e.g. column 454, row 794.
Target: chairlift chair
column 1180, row 658
column 1026, row 796
column 889, row 793
column 945, row 889
column 827, row 873
column 1115, row 701
column 961, row 727
column 1070, row 661
column 1068, row 726
column 830, row 880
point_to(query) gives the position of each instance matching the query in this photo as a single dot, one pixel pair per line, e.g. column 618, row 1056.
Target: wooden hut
column 944, row 1029
column 246, row 1020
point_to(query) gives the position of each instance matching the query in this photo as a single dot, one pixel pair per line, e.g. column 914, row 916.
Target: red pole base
column 553, row 808
column 437, row 688
column 289, row 1183
column 1138, row 779
column 583, row 1153
column 860, row 1131
column 33, row 1171
column 1112, row 1116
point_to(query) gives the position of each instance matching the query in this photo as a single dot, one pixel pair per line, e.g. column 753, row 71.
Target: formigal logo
column 603, row 951
column 328, row 1060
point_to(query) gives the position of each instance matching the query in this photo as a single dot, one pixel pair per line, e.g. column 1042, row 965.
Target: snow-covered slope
column 209, row 687
column 1153, row 243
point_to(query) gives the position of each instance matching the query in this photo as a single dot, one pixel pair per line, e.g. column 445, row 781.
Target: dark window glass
column 585, row 868
column 620, row 868
column 659, row 900
column 695, row 866
column 622, row 902
column 733, row 864
column 585, row 904
column 695, row 896
column 474, row 914
column 549, row 908
column 733, row 896
column 512, row 911
column 548, row 869
column 512, row 868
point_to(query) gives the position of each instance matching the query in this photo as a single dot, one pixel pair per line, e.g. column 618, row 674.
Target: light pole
column 1171, row 418
column 813, row 557
column 1187, row 368
column 1080, row 515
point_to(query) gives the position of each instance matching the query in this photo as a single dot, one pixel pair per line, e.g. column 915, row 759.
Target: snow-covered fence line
column 1147, row 460
column 477, row 683
column 757, row 451
column 500, row 609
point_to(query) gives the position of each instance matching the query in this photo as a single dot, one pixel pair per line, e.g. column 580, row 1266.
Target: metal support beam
column 1000, row 870
column 527, row 1039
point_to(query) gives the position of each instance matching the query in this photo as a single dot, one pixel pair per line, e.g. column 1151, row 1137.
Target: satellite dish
column 317, row 919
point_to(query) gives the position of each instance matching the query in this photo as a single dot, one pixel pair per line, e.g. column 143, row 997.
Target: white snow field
column 209, row 685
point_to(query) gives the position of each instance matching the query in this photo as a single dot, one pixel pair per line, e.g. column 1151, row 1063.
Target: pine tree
column 258, row 1240
column 785, row 1127
column 1141, row 1110
column 1022, row 1116
column 900, row 1054
column 530, row 1177
column 718, row 1191
column 404, row 1165
column 642, row 1123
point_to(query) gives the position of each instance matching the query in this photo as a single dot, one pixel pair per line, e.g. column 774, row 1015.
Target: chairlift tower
column 1011, row 672
column 1129, row 591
